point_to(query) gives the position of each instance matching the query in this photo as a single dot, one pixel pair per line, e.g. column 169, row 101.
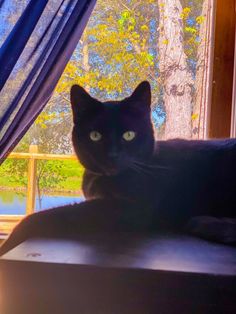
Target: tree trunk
column 202, row 88
column 175, row 76
column 85, row 57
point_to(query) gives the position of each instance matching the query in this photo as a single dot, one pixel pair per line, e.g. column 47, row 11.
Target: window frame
column 222, row 104
column 221, row 89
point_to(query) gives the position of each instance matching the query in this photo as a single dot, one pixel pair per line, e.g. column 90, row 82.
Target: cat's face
column 112, row 136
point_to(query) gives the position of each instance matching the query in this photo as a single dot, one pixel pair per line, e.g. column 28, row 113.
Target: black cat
column 133, row 183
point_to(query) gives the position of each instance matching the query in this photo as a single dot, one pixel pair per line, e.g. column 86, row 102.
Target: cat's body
column 133, row 183
column 183, row 179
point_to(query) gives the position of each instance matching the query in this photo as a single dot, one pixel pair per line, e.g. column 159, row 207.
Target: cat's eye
column 129, row 135
column 95, row 136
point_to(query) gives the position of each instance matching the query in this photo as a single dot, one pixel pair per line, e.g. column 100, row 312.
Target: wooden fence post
column 32, row 172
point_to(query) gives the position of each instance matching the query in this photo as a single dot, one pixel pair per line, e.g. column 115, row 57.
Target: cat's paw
column 222, row 230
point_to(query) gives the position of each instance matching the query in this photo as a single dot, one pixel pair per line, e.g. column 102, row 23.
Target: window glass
column 165, row 42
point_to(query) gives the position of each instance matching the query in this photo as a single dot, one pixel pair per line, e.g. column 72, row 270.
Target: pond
column 14, row 203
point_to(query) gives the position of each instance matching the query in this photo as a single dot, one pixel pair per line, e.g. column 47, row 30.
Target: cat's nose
column 113, row 155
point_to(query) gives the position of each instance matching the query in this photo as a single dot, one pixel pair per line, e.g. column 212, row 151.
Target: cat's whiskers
column 99, row 174
column 140, row 170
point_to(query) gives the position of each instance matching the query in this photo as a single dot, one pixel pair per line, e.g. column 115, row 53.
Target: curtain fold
column 18, row 38
column 41, row 63
column 1, row 3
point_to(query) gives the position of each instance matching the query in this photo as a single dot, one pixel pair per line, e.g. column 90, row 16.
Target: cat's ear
column 142, row 95
column 81, row 101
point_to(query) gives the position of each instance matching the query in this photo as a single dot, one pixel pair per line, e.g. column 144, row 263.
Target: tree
column 126, row 42
column 202, row 73
column 175, row 75
column 116, row 52
column 118, row 45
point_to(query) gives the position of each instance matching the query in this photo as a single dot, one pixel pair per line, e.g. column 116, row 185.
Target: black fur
column 140, row 185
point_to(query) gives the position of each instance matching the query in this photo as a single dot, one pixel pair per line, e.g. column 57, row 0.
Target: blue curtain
column 38, row 38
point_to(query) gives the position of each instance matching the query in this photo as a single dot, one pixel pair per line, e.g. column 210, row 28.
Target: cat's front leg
column 62, row 222
column 94, row 216
column 221, row 230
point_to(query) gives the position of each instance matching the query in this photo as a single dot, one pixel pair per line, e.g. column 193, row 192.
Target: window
column 168, row 43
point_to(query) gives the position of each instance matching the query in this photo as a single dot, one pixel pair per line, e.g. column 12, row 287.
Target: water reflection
column 14, row 203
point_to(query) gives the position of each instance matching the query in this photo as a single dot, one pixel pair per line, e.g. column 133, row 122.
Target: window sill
column 120, row 274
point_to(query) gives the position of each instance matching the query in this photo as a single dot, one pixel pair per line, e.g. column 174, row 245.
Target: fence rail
column 7, row 222
column 41, row 156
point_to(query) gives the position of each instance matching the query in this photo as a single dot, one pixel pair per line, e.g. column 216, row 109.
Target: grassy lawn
column 53, row 174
